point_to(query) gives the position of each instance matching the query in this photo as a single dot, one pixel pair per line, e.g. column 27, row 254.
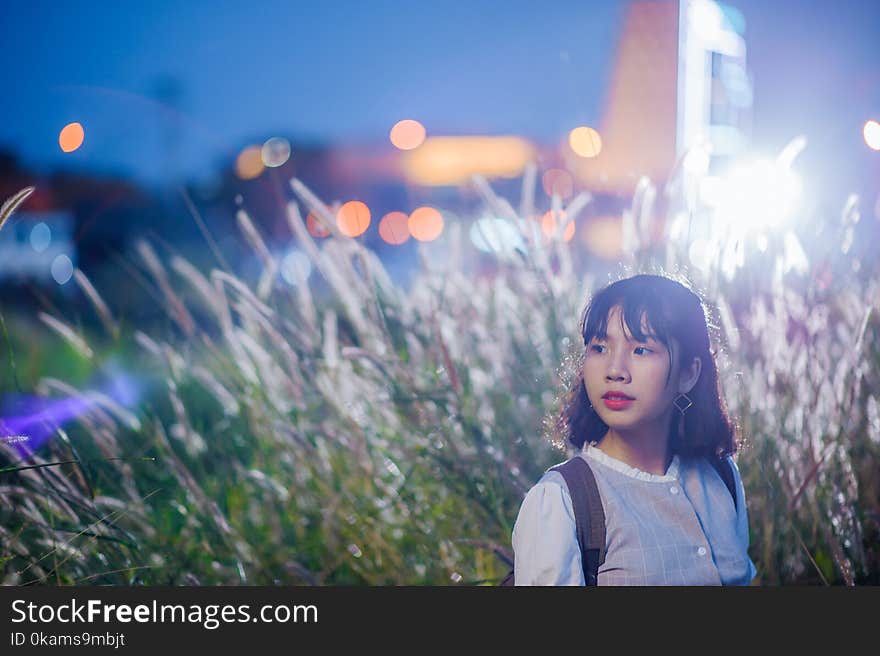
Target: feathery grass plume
column 174, row 361
column 293, row 366
column 321, row 212
column 67, row 333
column 223, row 312
column 12, row 203
column 223, row 396
column 178, row 312
column 100, row 306
column 243, row 290
column 194, row 277
column 270, row 266
column 327, row 266
column 527, row 195
column 147, row 343
column 499, row 205
column 274, row 382
column 304, row 238
column 183, row 430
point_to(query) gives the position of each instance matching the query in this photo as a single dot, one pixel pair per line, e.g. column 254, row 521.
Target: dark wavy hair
column 671, row 310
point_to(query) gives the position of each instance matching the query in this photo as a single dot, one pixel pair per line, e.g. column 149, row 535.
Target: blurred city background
column 738, row 140
column 127, row 119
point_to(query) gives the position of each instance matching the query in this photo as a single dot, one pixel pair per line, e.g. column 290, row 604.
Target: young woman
column 646, row 414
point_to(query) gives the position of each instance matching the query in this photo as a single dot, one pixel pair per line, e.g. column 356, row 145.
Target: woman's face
column 639, row 370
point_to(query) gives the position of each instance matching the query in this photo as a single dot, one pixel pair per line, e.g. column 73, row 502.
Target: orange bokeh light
column 353, row 218
column 393, row 228
column 425, row 224
column 407, row 134
column 249, row 163
column 603, row 236
column 71, row 137
column 548, row 226
column 559, row 182
column 585, row 141
column 316, row 228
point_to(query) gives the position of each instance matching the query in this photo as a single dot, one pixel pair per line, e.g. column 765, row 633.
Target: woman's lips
column 617, row 402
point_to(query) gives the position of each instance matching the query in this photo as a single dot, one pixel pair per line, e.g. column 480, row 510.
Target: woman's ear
column 689, row 376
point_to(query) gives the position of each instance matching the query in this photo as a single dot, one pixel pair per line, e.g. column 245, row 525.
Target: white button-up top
column 680, row 528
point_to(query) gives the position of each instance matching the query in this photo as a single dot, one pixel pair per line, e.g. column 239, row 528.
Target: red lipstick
column 617, row 400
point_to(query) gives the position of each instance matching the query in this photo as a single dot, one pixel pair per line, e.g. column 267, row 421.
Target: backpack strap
column 589, row 514
column 725, row 471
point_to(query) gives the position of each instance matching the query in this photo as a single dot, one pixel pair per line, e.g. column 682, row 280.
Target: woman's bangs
column 634, row 311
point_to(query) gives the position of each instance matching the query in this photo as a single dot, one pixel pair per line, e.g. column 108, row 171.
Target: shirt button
column 701, row 551
column 674, row 490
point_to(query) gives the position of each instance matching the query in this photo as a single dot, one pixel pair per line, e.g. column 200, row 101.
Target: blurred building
column 679, row 81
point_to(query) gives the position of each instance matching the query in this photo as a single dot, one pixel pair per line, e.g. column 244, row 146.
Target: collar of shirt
column 672, row 473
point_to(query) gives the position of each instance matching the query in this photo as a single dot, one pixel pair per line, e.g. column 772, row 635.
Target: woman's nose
column 617, row 369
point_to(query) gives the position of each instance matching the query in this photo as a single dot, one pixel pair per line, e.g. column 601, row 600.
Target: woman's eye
column 645, row 350
column 596, row 348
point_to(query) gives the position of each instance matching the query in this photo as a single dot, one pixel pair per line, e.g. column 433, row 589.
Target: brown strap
column 589, row 514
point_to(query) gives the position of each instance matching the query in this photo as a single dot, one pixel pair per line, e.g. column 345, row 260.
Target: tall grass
column 386, row 437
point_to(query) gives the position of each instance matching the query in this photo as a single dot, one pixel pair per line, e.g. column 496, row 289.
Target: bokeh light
column 603, row 236
column 425, row 224
column 393, row 228
column 549, row 225
column 295, row 264
column 275, row 152
column 71, row 137
column 316, row 228
column 871, row 131
column 249, row 163
column 407, row 134
column 61, row 269
column 443, row 161
column 40, row 237
column 353, row 218
column 585, row 141
column 558, row 182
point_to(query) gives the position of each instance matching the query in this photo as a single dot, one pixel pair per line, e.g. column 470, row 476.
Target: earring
column 682, row 402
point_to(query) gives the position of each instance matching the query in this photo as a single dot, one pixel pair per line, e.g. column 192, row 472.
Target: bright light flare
column 754, row 197
column 407, row 134
column 71, row 137
column 871, row 132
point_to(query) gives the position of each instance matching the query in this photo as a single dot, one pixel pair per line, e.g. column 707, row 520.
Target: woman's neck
column 646, row 452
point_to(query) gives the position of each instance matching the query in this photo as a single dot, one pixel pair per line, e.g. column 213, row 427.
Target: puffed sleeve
column 545, row 536
column 742, row 519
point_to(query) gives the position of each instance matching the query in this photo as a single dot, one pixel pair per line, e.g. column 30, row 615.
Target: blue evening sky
column 200, row 79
